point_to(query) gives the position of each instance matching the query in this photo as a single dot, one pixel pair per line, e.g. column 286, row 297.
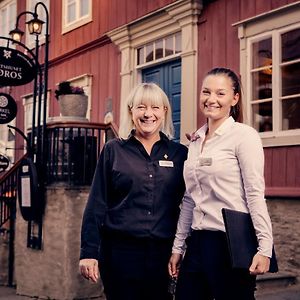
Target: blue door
column 168, row 77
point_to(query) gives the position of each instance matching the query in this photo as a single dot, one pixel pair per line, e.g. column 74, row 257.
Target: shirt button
column 150, row 175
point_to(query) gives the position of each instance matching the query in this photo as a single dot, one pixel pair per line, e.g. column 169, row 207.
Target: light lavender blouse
column 229, row 172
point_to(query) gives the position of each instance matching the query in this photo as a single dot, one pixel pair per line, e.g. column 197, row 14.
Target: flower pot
column 73, row 105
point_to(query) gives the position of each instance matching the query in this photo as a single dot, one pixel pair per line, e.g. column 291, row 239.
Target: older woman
column 130, row 219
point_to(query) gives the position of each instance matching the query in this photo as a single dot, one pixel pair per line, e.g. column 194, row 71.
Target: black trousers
column 135, row 269
column 206, row 274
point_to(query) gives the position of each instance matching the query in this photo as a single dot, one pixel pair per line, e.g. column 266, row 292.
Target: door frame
column 178, row 16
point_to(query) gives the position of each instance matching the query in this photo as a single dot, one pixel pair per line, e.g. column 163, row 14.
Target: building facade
column 108, row 46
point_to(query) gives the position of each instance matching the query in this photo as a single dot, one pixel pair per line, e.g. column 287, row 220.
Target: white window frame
column 271, row 24
column 7, row 147
column 31, row 38
column 28, row 105
column 79, row 21
column 10, row 18
column 164, row 57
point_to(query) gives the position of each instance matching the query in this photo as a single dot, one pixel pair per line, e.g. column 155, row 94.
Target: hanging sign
column 4, row 163
column 16, row 68
column 30, row 200
column 8, row 108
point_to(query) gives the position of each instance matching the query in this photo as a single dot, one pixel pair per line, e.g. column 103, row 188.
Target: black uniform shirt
column 133, row 193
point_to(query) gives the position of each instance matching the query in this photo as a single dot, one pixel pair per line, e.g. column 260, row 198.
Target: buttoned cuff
column 265, row 248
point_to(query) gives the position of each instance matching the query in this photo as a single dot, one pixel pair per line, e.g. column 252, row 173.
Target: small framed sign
column 8, row 108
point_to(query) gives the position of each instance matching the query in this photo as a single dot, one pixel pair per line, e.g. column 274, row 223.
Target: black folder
column 242, row 240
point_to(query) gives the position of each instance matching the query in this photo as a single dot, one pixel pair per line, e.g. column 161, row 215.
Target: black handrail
column 73, row 149
column 8, row 196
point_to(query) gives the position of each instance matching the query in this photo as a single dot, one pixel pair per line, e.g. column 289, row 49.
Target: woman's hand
column 174, row 264
column 260, row 264
column 88, row 268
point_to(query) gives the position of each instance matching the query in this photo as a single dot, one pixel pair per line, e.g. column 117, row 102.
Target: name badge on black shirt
column 166, row 163
column 205, row 161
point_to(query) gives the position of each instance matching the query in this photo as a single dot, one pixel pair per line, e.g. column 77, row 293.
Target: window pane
column 262, row 53
column 159, row 51
column 12, row 17
column 169, row 45
column 84, row 7
column 3, row 22
column 178, row 42
column 71, row 12
column 140, row 56
column 290, row 43
column 291, row 114
column 149, row 52
column 290, row 79
column 261, row 85
column 262, row 116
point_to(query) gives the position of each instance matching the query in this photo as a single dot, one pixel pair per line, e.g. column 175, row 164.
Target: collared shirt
column 229, row 173
column 133, row 193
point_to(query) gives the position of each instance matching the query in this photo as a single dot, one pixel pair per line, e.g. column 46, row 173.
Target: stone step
column 274, row 281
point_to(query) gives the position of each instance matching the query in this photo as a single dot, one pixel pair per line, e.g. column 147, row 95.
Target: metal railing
column 8, row 193
column 73, row 149
column 72, row 153
column 8, row 196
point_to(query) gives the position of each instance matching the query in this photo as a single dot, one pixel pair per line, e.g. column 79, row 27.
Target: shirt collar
column 225, row 126
column 132, row 138
column 220, row 130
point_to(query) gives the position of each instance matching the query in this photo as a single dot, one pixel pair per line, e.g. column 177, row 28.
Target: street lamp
column 16, row 34
column 35, row 26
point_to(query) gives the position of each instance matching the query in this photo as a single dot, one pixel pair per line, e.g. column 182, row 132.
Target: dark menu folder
column 242, row 241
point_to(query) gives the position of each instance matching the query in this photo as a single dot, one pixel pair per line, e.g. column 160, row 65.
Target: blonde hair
column 146, row 93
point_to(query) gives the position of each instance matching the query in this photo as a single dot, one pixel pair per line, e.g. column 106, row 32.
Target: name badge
column 205, row 161
column 166, row 163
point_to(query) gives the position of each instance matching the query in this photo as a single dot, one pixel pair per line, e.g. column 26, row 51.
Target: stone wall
column 285, row 216
column 52, row 273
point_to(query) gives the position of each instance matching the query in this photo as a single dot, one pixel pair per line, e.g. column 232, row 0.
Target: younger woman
column 225, row 168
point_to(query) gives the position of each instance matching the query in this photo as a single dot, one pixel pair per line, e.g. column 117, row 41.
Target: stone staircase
column 272, row 282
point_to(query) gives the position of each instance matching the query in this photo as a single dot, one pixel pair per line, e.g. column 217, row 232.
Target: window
column 274, row 80
column 7, row 140
column 270, row 72
column 159, row 49
column 28, row 108
column 76, row 13
column 31, row 38
column 7, row 18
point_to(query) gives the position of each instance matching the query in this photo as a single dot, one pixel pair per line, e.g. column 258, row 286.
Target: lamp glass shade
column 16, row 34
column 35, row 26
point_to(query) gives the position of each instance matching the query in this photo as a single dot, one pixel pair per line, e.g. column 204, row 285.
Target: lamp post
column 38, row 133
column 35, row 26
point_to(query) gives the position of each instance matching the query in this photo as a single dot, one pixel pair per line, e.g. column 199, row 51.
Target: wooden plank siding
column 87, row 50
column 219, row 46
column 282, row 171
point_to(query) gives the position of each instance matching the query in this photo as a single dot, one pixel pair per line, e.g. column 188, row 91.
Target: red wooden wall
column 87, row 50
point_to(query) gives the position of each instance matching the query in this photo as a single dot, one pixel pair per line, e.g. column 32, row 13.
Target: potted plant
column 72, row 100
